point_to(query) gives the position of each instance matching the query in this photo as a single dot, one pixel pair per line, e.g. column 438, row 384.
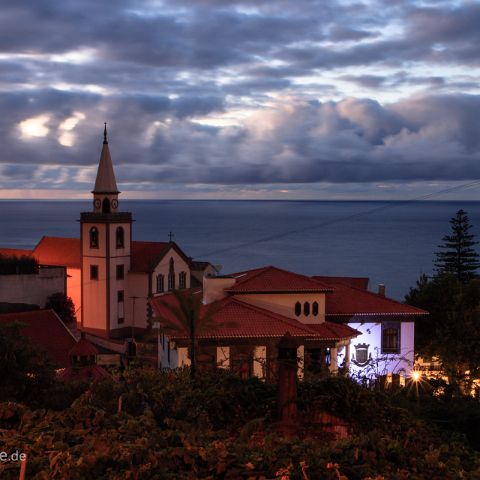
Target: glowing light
column 34, row 127
column 67, row 137
column 416, row 376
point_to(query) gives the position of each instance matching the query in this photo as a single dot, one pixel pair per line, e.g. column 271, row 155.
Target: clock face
column 114, row 203
column 97, row 203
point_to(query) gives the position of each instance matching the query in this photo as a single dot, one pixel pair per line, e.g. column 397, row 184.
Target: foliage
column 14, row 265
column 452, row 330
column 26, row 372
column 458, row 258
column 63, row 306
column 186, row 316
column 219, row 427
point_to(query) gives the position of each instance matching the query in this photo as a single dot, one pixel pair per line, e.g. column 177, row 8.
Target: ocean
column 389, row 242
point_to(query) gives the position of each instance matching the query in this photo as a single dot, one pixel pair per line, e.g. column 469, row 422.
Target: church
column 120, row 286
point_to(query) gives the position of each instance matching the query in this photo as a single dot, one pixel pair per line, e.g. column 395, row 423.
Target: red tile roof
column 146, row 255
column 88, row 372
column 58, row 251
column 45, row 330
column 63, row 251
column 83, row 348
column 357, row 282
column 348, row 301
column 15, row 252
column 275, row 280
column 235, row 319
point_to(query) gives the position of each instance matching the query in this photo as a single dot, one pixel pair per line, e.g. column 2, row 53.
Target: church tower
column 105, row 238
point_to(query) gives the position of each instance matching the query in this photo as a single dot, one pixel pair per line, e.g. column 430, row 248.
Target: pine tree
column 459, row 258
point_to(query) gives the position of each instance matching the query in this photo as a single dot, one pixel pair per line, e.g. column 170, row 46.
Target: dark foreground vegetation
column 219, row 426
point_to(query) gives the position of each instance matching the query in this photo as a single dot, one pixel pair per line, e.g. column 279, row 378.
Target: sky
column 257, row 99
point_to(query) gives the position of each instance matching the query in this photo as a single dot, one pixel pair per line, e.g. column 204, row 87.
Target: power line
column 353, row 216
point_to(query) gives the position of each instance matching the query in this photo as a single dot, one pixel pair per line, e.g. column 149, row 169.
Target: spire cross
column 105, row 134
column 170, row 236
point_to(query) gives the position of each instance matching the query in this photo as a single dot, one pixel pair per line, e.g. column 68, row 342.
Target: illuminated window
column 315, row 309
column 93, row 272
column 120, row 272
column 120, row 237
column 298, row 309
column 160, row 283
column 182, row 280
column 94, row 237
column 391, row 337
column 306, row 309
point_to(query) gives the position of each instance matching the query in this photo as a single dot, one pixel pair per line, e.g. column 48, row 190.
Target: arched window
column 306, row 309
column 315, row 308
column 182, row 280
column 298, row 309
column 94, row 237
column 160, row 283
column 106, row 205
column 171, row 275
column 120, row 237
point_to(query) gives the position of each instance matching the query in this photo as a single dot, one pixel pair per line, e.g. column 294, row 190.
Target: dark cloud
column 268, row 67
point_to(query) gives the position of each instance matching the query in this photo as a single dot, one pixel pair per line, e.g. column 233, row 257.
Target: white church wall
column 163, row 268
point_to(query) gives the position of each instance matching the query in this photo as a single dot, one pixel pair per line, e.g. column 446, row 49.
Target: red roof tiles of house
column 348, row 301
column 15, row 252
column 238, row 319
column 45, row 330
column 357, row 282
column 83, row 348
column 275, row 280
column 61, row 251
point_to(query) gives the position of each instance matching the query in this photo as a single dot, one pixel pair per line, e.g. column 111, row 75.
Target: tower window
column 120, row 272
column 106, row 205
column 120, row 306
column 94, row 237
column 182, row 280
column 315, row 309
column 298, row 309
column 160, row 283
column 93, row 272
column 120, row 237
column 306, row 309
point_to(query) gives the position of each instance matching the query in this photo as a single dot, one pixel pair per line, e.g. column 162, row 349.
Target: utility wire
column 398, row 203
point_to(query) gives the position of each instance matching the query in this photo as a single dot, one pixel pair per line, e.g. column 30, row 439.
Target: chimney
column 381, row 289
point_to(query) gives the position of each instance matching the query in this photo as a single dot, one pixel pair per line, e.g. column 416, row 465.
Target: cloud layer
column 239, row 92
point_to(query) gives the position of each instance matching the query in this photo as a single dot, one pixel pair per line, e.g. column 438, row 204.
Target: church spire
column 105, row 181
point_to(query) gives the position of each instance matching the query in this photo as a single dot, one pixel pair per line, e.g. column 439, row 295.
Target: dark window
column 315, row 308
column 168, row 351
column 182, row 280
column 171, row 281
column 391, row 338
column 298, row 309
column 120, row 237
column 93, row 272
column 94, row 237
column 171, row 275
column 120, row 306
column 306, row 309
column 120, row 272
column 106, row 205
column 160, row 283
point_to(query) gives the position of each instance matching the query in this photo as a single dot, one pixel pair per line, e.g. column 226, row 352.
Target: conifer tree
column 458, row 257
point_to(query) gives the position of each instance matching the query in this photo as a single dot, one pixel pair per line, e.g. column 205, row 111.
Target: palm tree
column 187, row 316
